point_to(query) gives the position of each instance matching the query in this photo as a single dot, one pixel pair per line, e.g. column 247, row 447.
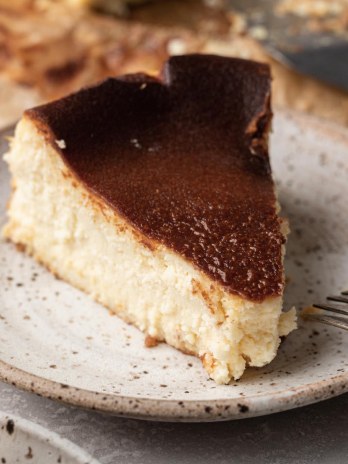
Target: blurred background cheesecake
column 49, row 48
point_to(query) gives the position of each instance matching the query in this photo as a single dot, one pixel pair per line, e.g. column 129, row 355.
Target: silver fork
column 339, row 318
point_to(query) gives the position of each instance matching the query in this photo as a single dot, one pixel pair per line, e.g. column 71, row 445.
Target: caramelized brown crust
column 184, row 159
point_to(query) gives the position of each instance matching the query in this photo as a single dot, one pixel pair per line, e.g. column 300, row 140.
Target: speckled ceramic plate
column 56, row 342
column 22, row 441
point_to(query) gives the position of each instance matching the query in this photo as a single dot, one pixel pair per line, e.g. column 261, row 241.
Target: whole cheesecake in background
column 155, row 196
column 50, row 49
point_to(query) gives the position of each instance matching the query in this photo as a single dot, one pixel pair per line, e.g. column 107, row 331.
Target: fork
column 339, row 318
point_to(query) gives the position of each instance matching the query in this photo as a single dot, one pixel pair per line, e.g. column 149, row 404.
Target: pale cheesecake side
column 156, row 197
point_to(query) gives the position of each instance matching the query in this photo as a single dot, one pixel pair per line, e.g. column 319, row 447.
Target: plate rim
column 43, row 434
column 191, row 410
column 170, row 410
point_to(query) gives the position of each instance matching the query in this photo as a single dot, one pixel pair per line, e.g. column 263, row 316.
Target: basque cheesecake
column 154, row 195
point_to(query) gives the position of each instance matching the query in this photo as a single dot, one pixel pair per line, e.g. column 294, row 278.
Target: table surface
column 312, row 434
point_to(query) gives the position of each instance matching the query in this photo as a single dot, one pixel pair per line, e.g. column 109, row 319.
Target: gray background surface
column 312, row 434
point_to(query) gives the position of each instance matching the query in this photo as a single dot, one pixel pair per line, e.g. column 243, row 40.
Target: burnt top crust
column 184, row 159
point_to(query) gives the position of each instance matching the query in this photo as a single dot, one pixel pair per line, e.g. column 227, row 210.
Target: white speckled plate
column 56, row 342
column 22, row 441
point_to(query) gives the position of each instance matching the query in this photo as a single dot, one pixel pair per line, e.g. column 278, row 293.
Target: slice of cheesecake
column 155, row 196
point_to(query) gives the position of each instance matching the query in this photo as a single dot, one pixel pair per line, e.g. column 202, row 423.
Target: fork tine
column 332, row 309
column 340, row 299
column 329, row 320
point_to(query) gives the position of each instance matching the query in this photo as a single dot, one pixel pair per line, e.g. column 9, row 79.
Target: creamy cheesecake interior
column 85, row 243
